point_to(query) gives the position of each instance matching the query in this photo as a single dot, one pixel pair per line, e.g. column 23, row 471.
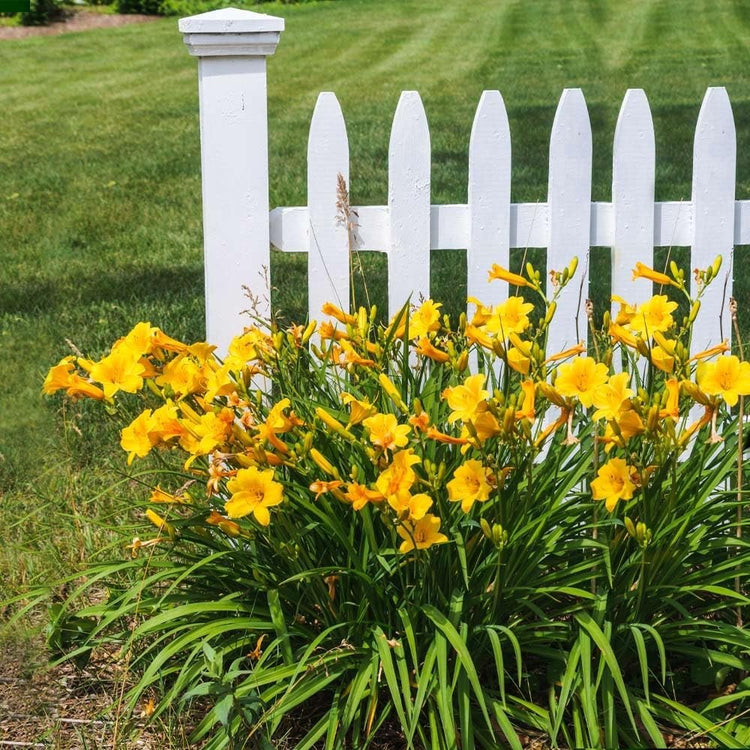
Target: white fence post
column 328, row 239
column 569, row 198
column 409, row 164
column 714, row 172
column 633, row 179
column 231, row 46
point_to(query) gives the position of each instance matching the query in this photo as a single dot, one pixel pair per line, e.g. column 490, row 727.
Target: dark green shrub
column 43, row 12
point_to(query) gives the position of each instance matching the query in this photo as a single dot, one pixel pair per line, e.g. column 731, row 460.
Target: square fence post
column 231, row 46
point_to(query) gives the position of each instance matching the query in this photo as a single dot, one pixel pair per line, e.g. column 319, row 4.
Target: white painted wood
column 742, row 223
column 529, row 226
column 408, row 204
column 327, row 235
column 673, row 224
column 633, row 175
column 488, row 198
column 714, row 167
column 234, row 163
column 569, row 199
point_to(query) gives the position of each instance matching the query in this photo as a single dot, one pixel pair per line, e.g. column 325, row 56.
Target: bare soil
column 64, row 707
column 78, row 21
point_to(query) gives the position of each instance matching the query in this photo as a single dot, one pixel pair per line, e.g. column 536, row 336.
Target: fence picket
column 488, row 198
column 408, row 203
column 328, row 235
column 714, row 165
column 633, row 172
column 569, row 200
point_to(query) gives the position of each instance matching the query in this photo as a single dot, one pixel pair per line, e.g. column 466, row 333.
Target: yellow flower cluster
column 352, row 427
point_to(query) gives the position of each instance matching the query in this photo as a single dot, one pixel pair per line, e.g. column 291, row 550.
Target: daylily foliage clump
column 450, row 525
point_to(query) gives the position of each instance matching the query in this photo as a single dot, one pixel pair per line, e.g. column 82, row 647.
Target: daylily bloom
column 386, row 432
column 253, row 491
column 580, row 378
column 135, row 438
column 625, row 313
column 421, row 534
column 120, row 370
column 613, row 483
column 415, row 505
column 726, row 377
column 183, row 375
column 359, row 409
column 654, row 315
column 399, row 476
column 469, row 484
column 512, row 316
column 609, row 397
column 359, row 495
column 319, row 487
column 467, row 399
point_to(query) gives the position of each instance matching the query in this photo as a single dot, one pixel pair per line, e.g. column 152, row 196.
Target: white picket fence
column 232, row 46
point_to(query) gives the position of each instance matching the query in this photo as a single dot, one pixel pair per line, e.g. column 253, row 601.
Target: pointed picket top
column 633, row 176
column 409, row 203
column 714, row 171
column 569, row 199
column 328, row 235
column 489, row 198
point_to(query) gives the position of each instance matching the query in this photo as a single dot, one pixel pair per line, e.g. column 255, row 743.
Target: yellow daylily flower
column 726, row 377
column 625, row 313
column 421, row 534
column 425, row 348
column 359, row 409
column 512, row 316
column 359, row 495
column 253, row 491
column 135, row 439
column 580, row 379
column 386, row 432
column 654, row 315
column 469, row 484
column 399, row 476
column 610, row 397
column 183, row 375
column 415, row 505
column 468, row 399
column 613, row 483
column 120, row 370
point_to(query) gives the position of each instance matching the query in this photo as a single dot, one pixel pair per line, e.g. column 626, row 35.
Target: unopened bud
column 463, row 361
column 486, row 530
column 630, row 526
column 694, row 311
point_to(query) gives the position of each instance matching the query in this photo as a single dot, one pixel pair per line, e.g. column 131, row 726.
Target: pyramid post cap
column 230, row 21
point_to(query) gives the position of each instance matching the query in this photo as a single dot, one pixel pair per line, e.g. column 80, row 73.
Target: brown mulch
column 79, row 21
column 63, row 707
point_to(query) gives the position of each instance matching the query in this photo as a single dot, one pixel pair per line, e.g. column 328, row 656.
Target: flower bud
column 486, row 530
column 630, row 526
column 309, row 330
column 463, row 361
column 694, row 311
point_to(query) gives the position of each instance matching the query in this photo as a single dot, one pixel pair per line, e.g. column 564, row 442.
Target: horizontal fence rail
column 234, row 139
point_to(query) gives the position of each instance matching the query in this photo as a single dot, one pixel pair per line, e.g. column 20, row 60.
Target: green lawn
column 100, row 215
